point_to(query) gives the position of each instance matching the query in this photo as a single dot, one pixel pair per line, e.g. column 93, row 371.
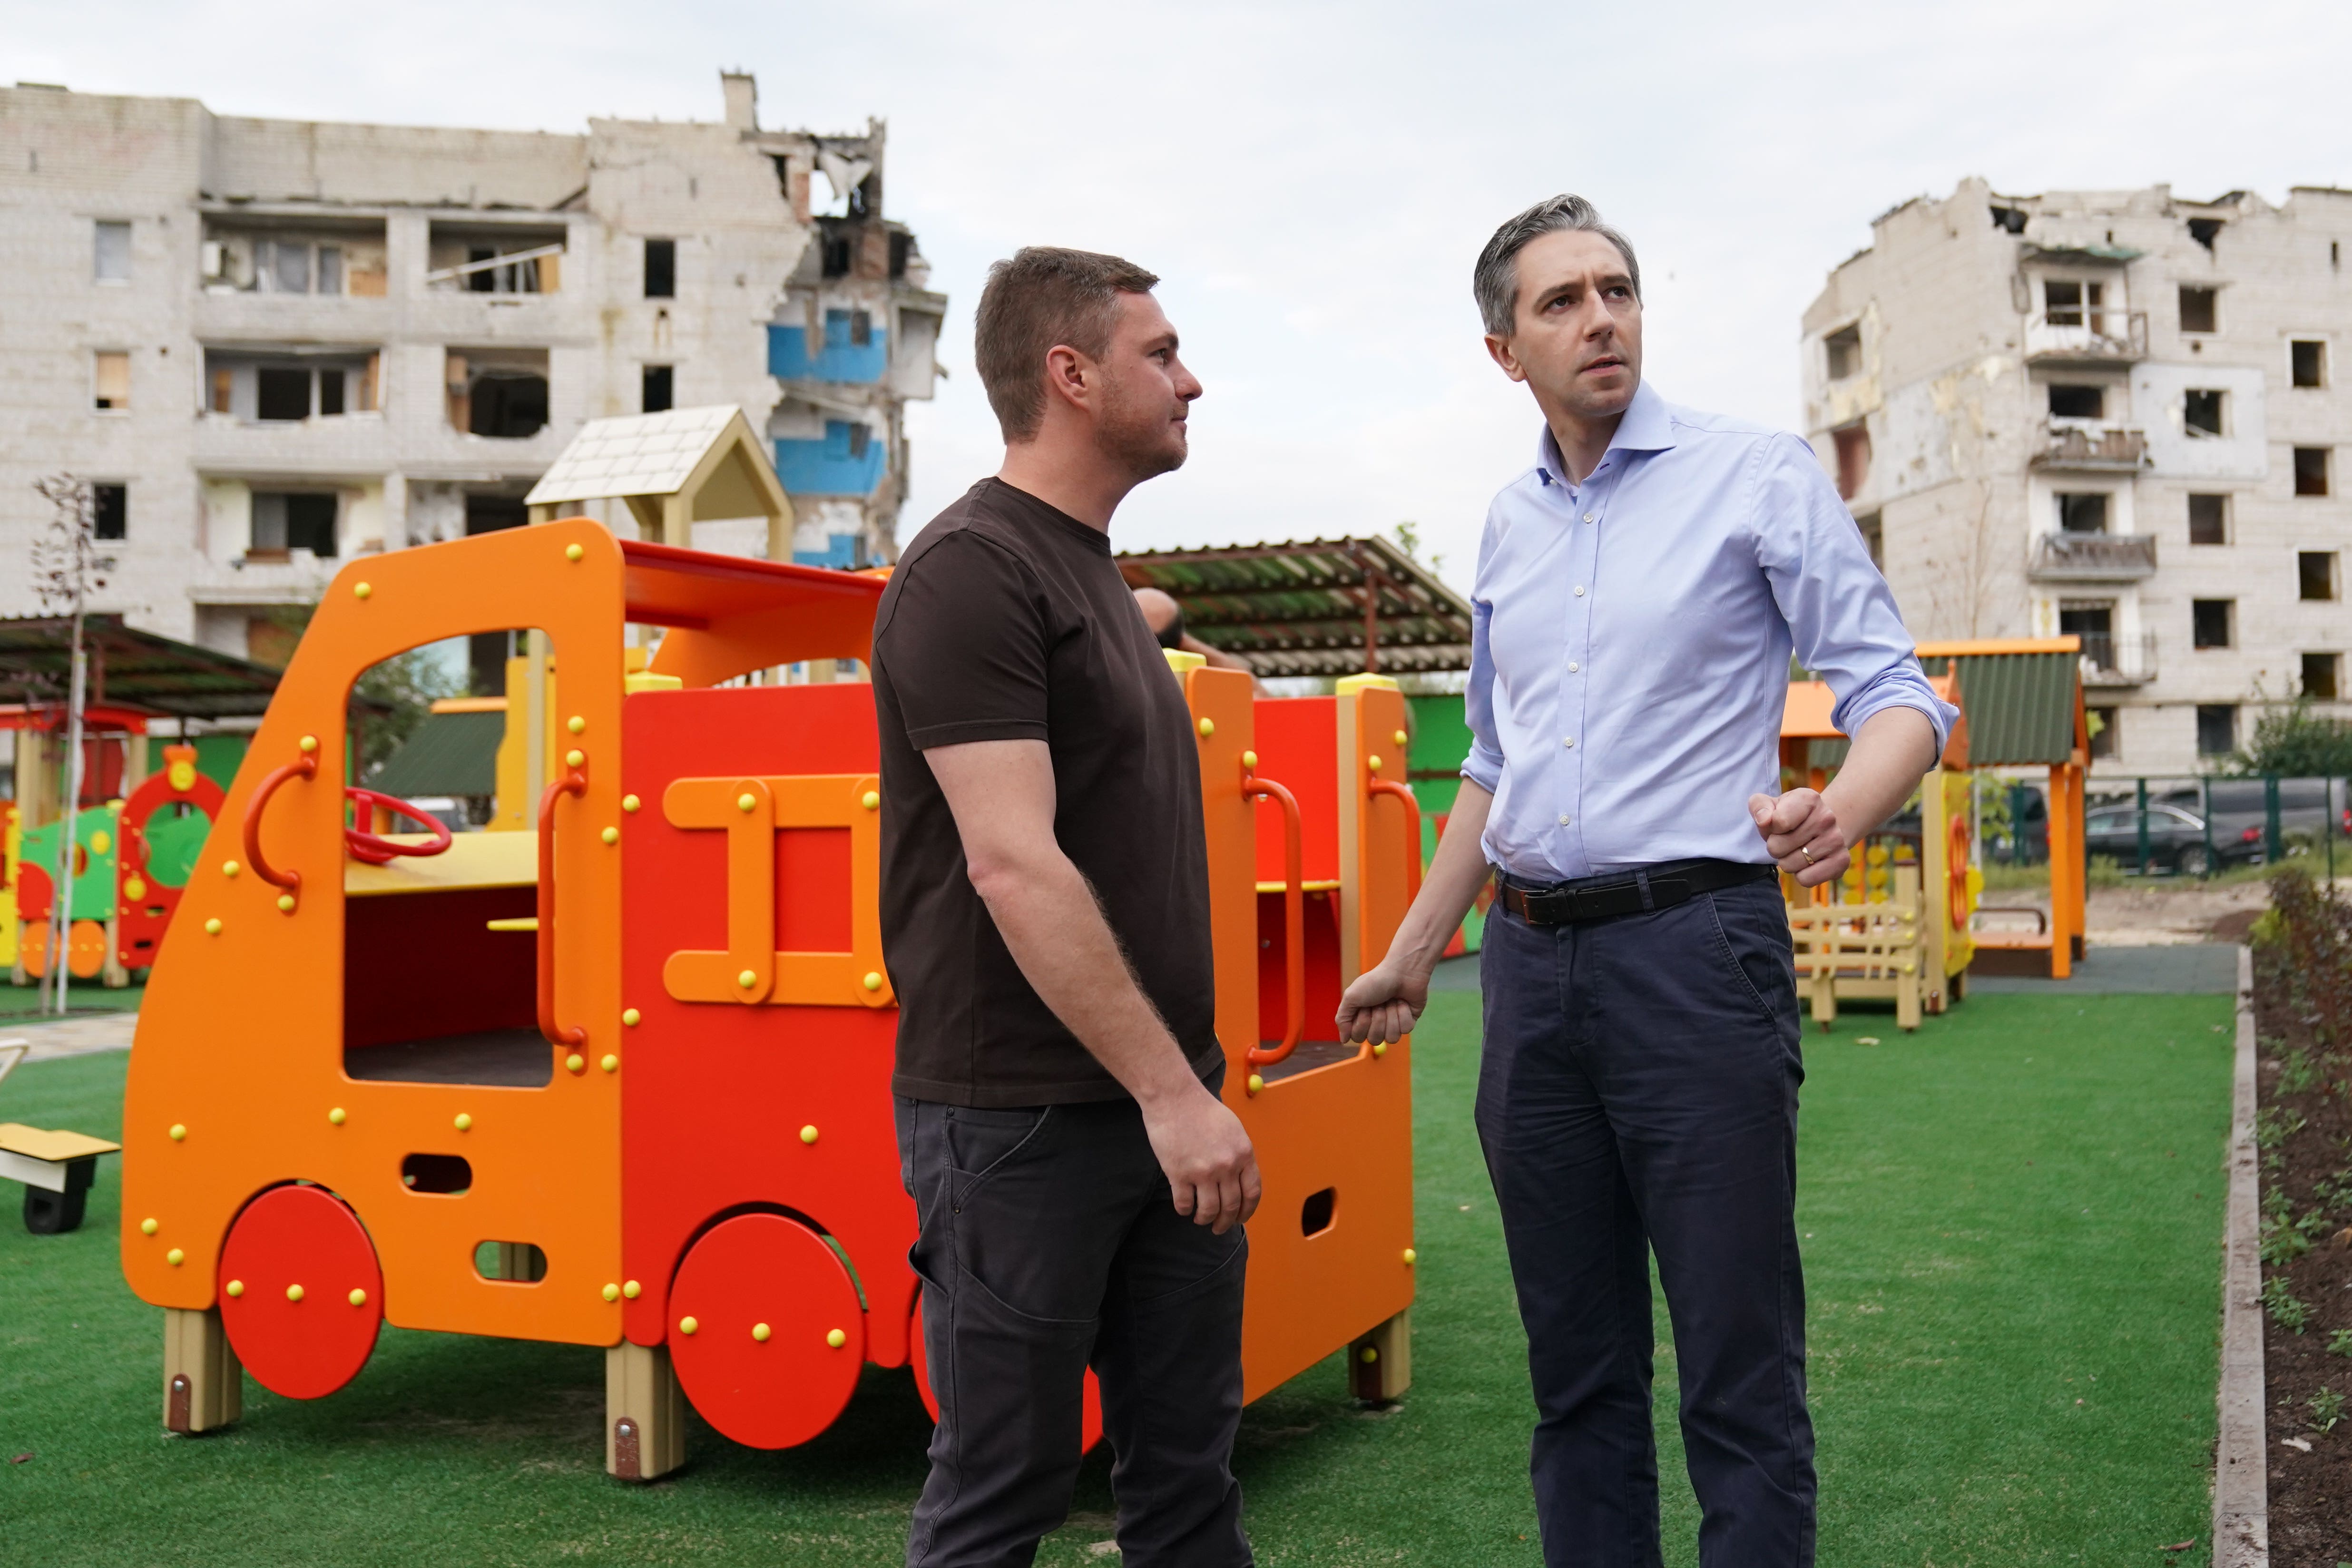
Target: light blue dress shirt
column 1631, row 642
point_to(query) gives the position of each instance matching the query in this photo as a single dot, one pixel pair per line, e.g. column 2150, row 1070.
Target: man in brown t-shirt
column 1079, row 1185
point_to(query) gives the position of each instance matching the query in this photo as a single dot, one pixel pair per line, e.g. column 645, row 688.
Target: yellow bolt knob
column 760, row 1332
column 1411, row 1256
column 1401, row 739
column 1367, row 1355
column 465, row 1121
column 870, row 801
column 1256, row 1083
column 573, row 553
column 631, row 1290
column 747, row 979
column 808, row 1134
column 1379, row 1048
column 134, row 888
column 148, row 1227
column 688, row 1325
column 873, row 981
column 746, row 800
column 836, row 1338
column 286, row 904
column 1249, row 759
column 630, row 802
column 308, row 743
column 213, row 926
column 361, row 591
column 179, row 1130
column 336, row 1116
column 631, row 1016
column 358, row 1297
column 236, row 1288
column 575, row 1063
column 576, row 724
column 230, row 867
column 573, row 758
column 293, row 1293
column 1208, row 728
column 1373, row 764
column 611, row 835
column 175, row 1257
column 612, row 1292
column 611, row 1063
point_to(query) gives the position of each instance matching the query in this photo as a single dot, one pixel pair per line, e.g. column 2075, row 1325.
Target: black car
column 2176, row 840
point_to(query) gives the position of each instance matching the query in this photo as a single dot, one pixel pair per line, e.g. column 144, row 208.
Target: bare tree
column 67, row 568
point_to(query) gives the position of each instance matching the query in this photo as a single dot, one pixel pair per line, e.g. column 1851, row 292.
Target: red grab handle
column 1405, row 796
column 306, row 768
column 376, row 851
column 1294, row 917
column 572, row 782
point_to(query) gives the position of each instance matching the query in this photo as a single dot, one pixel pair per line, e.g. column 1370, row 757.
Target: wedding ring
column 1807, row 854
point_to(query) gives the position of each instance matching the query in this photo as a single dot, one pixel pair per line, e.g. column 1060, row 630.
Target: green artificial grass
column 2012, row 1223
column 23, row 1002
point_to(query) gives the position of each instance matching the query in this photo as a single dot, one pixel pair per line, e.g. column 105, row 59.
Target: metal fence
column 2179, row 826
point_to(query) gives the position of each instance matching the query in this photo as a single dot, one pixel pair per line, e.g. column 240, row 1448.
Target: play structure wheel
column 300, row 1292
column 779, row 1335
column 1090, row 1416
column 377, row 851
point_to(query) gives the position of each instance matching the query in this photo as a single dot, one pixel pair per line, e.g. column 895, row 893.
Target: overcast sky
column 1313, row 181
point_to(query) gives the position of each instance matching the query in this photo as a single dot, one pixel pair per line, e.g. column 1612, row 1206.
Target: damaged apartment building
column 2114, row 415
column 271, row 345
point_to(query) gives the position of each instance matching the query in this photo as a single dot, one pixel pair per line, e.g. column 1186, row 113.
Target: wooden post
column 644, row 1413
column 203, row 1386
column 1380, row 1365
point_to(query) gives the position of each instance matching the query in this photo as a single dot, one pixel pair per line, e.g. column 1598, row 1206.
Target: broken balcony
column 494, row 258
column 2091, row 448
column 2110, row 660
column 2087, row 334
column 2093, row 557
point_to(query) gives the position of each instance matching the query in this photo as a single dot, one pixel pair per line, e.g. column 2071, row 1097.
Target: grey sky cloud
column 1314, row 180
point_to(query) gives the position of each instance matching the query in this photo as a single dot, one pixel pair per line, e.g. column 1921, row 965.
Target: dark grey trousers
column 1049, row 1243
column 1639, row 1095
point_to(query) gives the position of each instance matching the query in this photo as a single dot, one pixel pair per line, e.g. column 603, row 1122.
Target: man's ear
column 1499, row 350
column 1070, row 375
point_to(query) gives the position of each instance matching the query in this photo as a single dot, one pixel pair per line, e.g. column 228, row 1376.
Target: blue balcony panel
column 840, row 553
column 838, row 360
column 828, row 467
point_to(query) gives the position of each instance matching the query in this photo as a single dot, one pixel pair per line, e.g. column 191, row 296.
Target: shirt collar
column 1646, row 427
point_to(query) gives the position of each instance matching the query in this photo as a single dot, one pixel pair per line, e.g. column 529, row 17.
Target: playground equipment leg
column 644, row 1413
column 1380, row 1363
column 203, row 1386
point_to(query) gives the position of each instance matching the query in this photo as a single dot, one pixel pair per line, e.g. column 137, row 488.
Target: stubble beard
column 1143, row 439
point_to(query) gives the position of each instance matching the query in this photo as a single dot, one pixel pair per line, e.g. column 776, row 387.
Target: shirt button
column 1569, row 741
column 1573, row 667
column 1579, row 590
column 1563, row 820
column 1588, row 517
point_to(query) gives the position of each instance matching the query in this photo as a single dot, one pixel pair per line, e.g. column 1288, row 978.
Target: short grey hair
column 1496, row 283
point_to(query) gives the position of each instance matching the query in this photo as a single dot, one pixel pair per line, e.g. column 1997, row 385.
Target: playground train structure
column 618, row 1076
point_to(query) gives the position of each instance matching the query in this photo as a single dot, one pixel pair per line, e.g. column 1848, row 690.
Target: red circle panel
column 1090, row 1416
column 305, row 1236
column 783, row 1390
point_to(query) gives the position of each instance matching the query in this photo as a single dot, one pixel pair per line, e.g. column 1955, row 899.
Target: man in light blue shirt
column 1640, row 592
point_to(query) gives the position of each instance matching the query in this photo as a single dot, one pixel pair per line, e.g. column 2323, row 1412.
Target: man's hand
column 1211, row 1169
column 1800, row 832
column 1384, row 1003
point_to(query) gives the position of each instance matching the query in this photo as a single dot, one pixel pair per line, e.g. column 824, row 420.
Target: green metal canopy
column 449, row 755
column 1320, row 606
column 2023, row 699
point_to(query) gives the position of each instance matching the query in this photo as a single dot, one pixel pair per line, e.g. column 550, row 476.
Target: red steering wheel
column 375, row 850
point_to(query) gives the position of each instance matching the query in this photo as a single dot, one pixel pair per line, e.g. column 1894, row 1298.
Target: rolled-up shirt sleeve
column 1842, row 616
column 1484, row 765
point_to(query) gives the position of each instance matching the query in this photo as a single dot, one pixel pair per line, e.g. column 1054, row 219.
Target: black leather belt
column 1659, row 887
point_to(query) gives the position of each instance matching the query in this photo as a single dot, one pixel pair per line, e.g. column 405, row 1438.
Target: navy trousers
column 1638, row 1094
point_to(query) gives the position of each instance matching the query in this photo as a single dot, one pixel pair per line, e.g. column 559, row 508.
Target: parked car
column 2176, row 839
column 2240, row 809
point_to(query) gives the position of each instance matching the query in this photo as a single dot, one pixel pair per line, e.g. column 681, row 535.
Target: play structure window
column 511, row 1262
column 1315, row 1215
column 449, row 1175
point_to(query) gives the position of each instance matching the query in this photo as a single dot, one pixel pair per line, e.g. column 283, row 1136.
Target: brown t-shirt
column 1007, row 620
